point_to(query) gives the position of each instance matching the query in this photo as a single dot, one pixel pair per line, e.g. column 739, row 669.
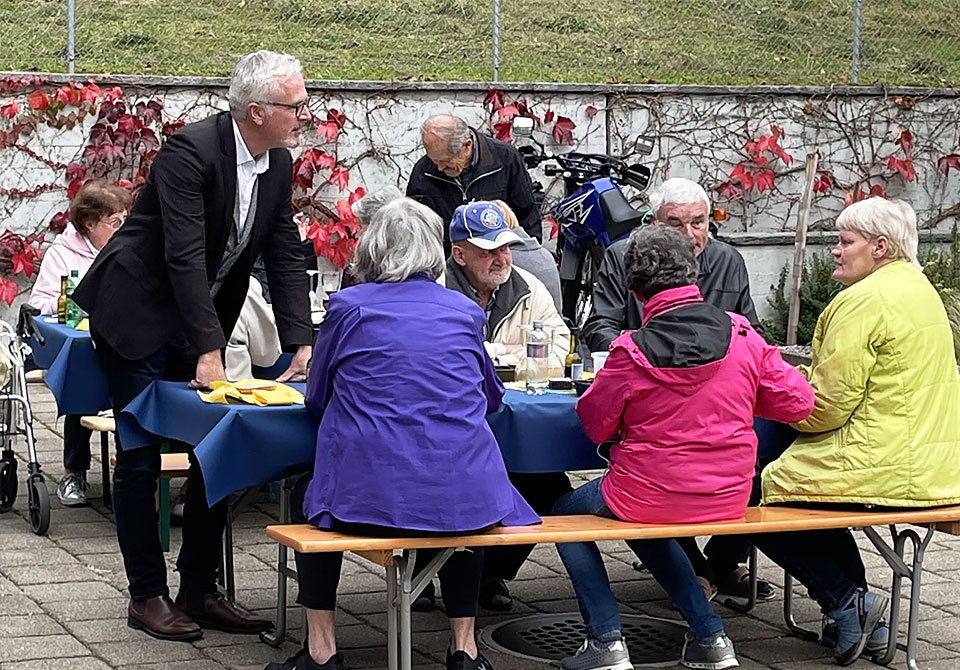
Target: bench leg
column 743, row 608
column 409, row 588
column 276, row 636
column 789, row 621
column 894, row 558
column 392, row 617
column 105, row 468
column 227, row 576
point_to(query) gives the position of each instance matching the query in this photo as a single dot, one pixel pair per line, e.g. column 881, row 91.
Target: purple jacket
column 403, row 384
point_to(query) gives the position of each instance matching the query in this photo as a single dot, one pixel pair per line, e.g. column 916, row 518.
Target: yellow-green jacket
column 885, row 428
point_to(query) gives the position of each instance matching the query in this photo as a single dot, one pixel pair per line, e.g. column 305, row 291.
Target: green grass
column 668, row 41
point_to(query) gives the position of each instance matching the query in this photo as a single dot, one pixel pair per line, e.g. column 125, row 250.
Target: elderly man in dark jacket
column 462, row 165
column 684, row 206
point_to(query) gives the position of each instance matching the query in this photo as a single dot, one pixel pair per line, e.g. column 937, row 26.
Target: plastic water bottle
column 74, row 313
column 537, row 359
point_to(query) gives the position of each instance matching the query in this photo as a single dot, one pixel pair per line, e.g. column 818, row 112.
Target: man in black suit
column 163, row 297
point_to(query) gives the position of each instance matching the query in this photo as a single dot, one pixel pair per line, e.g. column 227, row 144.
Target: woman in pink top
column 679, row 396
column 97, row 211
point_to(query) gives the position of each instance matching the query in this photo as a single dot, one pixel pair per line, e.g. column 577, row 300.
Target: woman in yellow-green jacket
column 884, row 429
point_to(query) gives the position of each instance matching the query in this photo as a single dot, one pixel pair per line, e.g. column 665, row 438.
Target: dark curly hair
column 659, row 258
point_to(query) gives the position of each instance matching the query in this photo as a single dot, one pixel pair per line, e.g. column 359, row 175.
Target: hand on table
column 209, row 370
column 297, row 372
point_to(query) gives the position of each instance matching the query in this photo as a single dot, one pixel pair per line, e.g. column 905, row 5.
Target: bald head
column 448, row 142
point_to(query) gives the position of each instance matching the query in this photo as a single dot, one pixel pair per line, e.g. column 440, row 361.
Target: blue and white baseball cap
column 482, row 224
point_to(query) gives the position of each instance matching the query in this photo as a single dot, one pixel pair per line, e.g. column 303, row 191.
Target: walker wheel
column 39, row 505
column 8, row 481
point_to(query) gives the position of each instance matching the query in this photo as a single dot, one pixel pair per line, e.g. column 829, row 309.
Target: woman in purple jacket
column 402, row 385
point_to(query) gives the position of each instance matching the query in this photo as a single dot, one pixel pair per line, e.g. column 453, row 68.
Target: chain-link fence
column 693, row 41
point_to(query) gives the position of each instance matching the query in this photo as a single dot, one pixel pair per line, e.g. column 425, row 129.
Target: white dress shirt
column 248, row 168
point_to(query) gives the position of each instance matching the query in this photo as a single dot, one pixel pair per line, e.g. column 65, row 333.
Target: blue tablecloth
column 74, row 375
column 241, row 445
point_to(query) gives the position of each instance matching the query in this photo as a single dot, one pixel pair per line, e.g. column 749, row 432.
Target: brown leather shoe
column 214, row 612
column 162, row 619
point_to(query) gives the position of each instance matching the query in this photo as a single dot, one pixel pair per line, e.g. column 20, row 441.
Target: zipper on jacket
column 457, row 183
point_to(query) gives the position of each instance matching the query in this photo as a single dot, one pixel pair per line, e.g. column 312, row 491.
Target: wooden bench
column 398, row 555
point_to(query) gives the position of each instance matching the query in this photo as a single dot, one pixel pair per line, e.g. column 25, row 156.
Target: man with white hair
column 165, row 292
column 683, row 205
column 462, row 165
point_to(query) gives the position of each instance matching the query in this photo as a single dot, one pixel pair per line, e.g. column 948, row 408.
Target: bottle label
column 576, row 371
column 536, row 350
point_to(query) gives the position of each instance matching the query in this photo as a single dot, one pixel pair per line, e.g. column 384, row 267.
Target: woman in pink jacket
column 96, row 213
column 679, row 396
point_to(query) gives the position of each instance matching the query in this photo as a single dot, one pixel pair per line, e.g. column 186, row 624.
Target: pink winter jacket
column 681, row 392
column 69, row 251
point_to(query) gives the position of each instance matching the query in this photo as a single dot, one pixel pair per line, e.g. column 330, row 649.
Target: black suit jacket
column 150, row 285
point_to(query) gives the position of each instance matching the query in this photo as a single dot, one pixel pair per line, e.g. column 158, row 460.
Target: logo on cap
column 490, row 218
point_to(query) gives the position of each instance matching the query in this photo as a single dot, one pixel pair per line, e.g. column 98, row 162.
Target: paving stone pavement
column 63, row 598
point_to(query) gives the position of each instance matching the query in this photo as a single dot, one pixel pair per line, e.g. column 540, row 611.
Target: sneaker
column 459, row 660
column 426, row 601
column 854, row 623
column 494, row 595
column 608, row 652
column 303, row 661
column 713, row 654
column 737, row 585
column 876, row 643
column 72, row 490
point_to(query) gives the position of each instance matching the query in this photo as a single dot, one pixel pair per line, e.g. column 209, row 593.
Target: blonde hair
column 892, row 219
column 508, row 216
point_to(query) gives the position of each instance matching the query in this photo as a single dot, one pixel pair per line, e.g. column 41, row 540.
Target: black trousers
column 318, row 575
column 76, row 444
column 541, row 490
column 135, row 484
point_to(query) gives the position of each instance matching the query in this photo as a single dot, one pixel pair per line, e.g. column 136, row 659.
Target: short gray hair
column 657, row 259
column 367, row 207
column 257, row 78
column 893, row 219
column 451, row 129
column 403, row 238
column 678, row 191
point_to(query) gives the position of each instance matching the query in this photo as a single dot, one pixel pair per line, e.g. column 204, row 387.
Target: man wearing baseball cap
column 480, row 266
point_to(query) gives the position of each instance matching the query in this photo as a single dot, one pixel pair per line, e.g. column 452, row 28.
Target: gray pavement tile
column 49, row 574
column 47, row 593
column 91, row 545
column 47, row 646
column 25, row 539
column 772, row 651
column 205, row 664
column 258, row 579
column 95, row 631
column 44, row 555
column 70, row 530
column 376, row 657
column 8, row 588
column 144, row 650
column 534, row 570
column 78, row 663
column 358, row 636
column 85, row 610
column 251, row 653
column 18, row 604
column 28, row 625
column 422, row 622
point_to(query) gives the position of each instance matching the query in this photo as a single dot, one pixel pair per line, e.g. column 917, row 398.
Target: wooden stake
column 799, row 247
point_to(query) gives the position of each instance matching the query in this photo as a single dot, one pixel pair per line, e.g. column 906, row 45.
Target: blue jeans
column 663, row 558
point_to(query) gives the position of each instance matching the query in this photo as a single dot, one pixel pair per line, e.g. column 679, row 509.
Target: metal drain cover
column 550, row 637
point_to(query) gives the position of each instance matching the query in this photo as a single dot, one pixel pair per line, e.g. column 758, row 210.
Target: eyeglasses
column 297, row 107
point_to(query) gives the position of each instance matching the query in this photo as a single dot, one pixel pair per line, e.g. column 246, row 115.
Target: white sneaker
column 72, row 490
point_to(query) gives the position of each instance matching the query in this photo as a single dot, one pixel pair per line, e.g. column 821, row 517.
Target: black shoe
column 459, row 660
column 426, row 601
column 495, row 596
column 302, row 661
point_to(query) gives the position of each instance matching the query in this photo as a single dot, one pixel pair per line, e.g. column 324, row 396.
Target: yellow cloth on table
column 224, row 392
column 83, row 325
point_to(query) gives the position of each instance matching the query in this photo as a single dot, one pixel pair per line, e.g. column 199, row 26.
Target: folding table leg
column 227, row 575
column 105, row 468
column 276, row 636
column 392, row 619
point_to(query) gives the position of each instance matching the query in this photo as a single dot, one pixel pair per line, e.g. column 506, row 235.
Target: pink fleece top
column 687, row 450
column 69, row 251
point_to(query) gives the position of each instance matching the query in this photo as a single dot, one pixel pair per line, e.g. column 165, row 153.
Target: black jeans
column 76, row 444
column 318, row 575
column 541, row 490
column 135, row 484
column 720, row 557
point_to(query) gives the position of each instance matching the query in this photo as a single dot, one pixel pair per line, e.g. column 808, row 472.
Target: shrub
column 817, row 289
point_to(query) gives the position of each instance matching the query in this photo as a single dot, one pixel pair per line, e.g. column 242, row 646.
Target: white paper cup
column 599, row 358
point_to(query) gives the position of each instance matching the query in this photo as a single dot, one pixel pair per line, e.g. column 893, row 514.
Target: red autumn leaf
column 90, row 93
column 337, row 117
column 904, row 167
column 563, row 130
column 171, row 127
column 905, row 140
column 59, row 221
column 328, row 130
column 548, row 116
column 63, row 95
column 730, row 191
column 944, row 163
column 502, row 131
column 10, row 111
column 590, row 111
column 764, row 180
column 744, row 176
column 325, row 160
column 23, row 262
column 751, row 148
column 508, row 112
column 875, row 190
column 493, row 99
column 9, row 290
column 761, row 161
column 76, row 171
column 113, row 94
column 822, row 184
column 147, row 140
column 303, row 171
column 126, row 125
column 777, row 131
column 781, row 152
column 73, row 188
column 341, row 178
column 320, row 237
column 357, row 195
column 38, row 100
